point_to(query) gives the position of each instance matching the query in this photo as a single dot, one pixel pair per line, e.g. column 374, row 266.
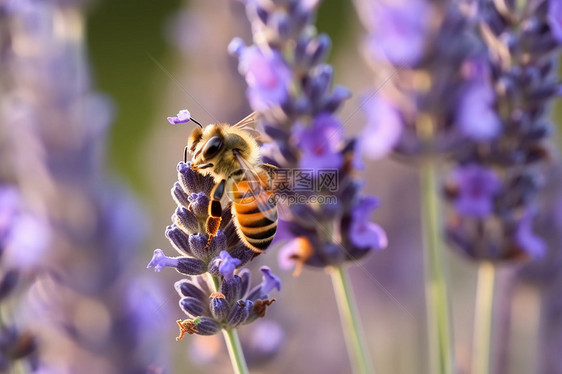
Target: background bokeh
column 156, row 57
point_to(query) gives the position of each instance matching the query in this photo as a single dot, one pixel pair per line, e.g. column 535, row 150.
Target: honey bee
column 231, row 155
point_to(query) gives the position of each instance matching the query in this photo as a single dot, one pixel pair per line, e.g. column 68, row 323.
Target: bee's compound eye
column 212, row 147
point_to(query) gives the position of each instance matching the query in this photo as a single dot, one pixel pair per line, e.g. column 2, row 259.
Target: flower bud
column 192, row 306
column 219, row 306
column 179, row 240
column 191, row 266
column 238, row 314
column 187, row 289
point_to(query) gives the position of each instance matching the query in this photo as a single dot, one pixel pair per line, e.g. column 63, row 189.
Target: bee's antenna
column 197, row 122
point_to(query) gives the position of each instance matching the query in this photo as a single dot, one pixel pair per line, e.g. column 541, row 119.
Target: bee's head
column 212, row 149
column 206, row 145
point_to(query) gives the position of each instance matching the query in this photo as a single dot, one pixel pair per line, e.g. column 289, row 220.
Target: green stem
column 216, row 282
column 481, row 362
column 18, row 367
column 355, row 341
column 440, row 333
column 235, row 351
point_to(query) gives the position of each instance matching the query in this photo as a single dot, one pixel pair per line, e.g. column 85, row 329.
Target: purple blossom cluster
column 65, row 225
column 471, row 83
column 290, row 87
column 215, row 295
column 419, row 50
column 494, row 187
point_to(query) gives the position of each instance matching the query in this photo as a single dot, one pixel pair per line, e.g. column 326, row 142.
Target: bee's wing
column 249, row 124
column 250, row 120
column 266, row 205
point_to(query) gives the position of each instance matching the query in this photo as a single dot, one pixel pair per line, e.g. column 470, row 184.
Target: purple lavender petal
column 363, row 233
column 365, row 207
column 398, row 31
column 555, row 18
column 28, row 241
column 383, row 131
column 227, row 264
column 183, row 116
column 236, row 47
column 320, row 142
column 269, row 281
column 526, row 238
column 368, row 235
column 476, row 116
column 267, row 76
column 477, row 187
column 160, row 261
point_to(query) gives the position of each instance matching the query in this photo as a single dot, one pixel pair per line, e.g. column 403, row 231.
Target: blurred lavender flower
column 545, row 273
column 320, row 143
column 265, row 341
column 508, row 138
column 364, row 233
column 73, row 223
column 419, row 51
column 532, row 244
column 473, row 190
column 289, row 57
column 476, row 116
column 555, row 19
column 481, row 100
column 227, row 302
column 476, row 93
column 399, row 30
column 267, row 75
column 383, row 130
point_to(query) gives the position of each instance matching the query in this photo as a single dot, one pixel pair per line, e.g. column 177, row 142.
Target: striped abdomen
column 255, row 215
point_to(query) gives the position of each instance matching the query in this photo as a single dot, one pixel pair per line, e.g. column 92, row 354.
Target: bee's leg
column 269, row 167
column 215, row 210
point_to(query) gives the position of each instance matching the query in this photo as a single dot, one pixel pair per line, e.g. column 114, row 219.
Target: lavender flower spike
column 420, row 49
column 300, row 118
column 214, row 298
column 290, row 86
column 504, row 115
column 72, row 218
